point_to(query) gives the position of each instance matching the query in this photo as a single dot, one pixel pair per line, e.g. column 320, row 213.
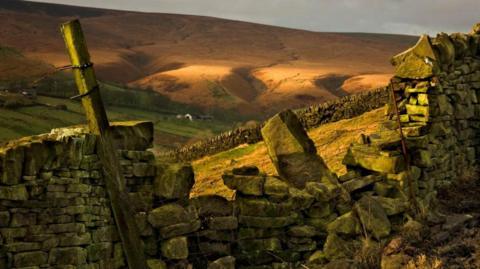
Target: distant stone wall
column 311, row 117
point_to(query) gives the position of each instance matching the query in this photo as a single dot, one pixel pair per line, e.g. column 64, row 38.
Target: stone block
column 179, row 229
column 275, row 187
column 156, row 264
column 248, row 185
column 361, row 182
column 418, row 62
column 347, row 224
column 302, row 231
column 211, row 205
column 227, row 262
column 291, row 150
column 268, row 222
column 169, row 214
column 263, row 207
column 373, row 217
column 14, row 193
column 175, row 248
column 372, row 159
column 68, row 256
column 100, row 251
column 270, row 244
column 223, row 223
column 27, row 259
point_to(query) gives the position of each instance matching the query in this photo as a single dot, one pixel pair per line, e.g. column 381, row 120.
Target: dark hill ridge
column 214, row 63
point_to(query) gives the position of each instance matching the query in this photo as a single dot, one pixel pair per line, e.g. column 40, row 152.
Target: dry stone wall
column 310, row 117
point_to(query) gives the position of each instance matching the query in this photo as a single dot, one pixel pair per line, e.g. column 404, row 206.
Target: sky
column 375, row 16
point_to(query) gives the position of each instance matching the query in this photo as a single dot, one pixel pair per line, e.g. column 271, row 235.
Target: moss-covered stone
column 211, row 205
column 347, row 224
column 68, row 256
column 169, row 214
column 445, row 47
column 14, row 193
column 264, row 208
column 392, row 206
column 227, row 262
column 337, row 248
column 300, row 199
column 302, row 231
column 372, row 159
column 361, row 182
column 26, row 259
column 291, row 150
column 174, row 181
column 156, row 264
column 269, row 222
column 223, row 223
column 275, row 187
column 418, row 62
column 373, row 217
column 271, row 244
column 175, row 248
column 179, row 229
column 248, row 185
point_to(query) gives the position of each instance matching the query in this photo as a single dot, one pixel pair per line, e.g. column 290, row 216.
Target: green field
column 41, row 118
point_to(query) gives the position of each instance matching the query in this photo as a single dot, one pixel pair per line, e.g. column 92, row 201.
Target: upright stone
column 418, row 62
column 291, row 150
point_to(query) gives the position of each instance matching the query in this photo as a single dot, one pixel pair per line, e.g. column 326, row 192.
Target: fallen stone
column 336, row 248
column 456, row 221
column 347, row 224
column 373, row 217
column 392, row 206
column 291, row 150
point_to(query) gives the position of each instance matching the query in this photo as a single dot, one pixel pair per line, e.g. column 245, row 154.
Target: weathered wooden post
column 98, row 123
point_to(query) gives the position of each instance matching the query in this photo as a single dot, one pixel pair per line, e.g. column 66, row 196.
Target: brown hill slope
column 254, row 68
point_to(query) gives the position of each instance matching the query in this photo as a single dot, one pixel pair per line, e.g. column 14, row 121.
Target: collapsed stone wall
column 311, row 117
column 54, row 212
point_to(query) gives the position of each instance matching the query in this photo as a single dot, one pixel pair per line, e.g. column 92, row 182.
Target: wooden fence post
column 98, row 123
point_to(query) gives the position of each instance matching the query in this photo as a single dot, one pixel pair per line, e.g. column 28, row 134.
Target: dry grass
column 332, row 141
